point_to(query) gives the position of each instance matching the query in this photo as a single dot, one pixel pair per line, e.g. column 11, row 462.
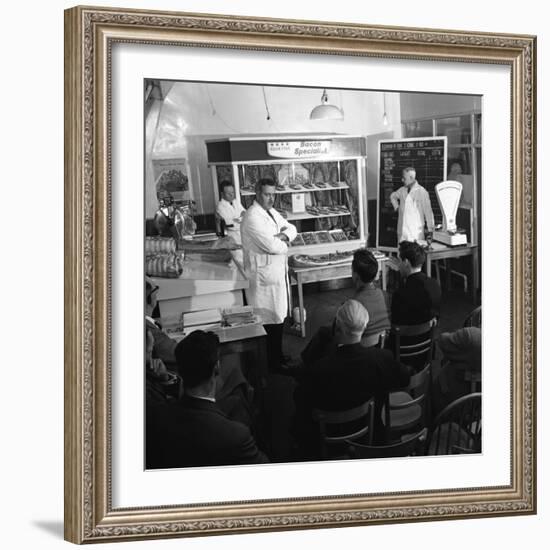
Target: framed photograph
column 177, row 104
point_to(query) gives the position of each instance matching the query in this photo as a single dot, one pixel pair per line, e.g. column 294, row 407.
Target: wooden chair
column 474, row 318
column 338, row 427
column 422, row 350
column 407, row 409
column 410, row 445
column 457, row 429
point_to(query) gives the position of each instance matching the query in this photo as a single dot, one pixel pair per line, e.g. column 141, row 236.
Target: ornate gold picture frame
column 90, row 34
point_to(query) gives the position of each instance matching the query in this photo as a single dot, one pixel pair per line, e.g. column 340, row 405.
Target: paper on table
column 205, row 317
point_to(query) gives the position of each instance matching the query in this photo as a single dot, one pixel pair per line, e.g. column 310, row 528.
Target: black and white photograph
column 312, row 278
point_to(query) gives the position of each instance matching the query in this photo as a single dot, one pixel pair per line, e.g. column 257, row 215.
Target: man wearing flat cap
column 351, row 374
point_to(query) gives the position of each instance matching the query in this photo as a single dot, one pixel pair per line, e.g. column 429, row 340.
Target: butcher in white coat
column 230, row 210
column 266, row 236
column 415, row 209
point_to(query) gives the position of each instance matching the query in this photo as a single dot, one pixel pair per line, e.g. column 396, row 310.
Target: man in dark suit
column 419, row 298
column 348, row 377
column 193, row 431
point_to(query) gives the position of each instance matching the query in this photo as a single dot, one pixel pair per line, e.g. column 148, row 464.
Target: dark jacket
column 345, row 379
column 195, row 432
column 417, row 301
column 350, row 376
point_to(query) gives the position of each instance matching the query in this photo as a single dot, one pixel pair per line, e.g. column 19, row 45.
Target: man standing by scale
column 415, row 209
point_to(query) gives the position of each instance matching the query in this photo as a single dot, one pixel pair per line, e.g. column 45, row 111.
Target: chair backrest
column 422, row 348
column 474, row 318
column 336, row 427
column 410, row 445
column 415, row 395
column 457, row 429
column 419, row 383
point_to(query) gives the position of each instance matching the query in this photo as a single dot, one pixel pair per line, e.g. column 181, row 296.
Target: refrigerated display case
column 318, row 178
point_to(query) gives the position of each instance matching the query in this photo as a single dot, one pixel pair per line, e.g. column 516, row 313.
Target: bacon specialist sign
column 298, row 149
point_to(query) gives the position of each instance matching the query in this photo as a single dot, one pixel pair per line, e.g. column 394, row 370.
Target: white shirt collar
column 204, row 398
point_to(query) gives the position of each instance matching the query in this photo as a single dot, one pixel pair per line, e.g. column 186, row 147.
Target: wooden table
column 302, row 275
column 441, row 252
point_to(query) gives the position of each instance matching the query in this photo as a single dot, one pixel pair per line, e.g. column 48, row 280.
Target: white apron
column 413, row 226
column 265, row 262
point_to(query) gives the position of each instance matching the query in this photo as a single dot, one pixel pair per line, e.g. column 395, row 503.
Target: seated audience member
column 461, row 351
column 417, row 301
column 419, row 298
column 193, row 431
column 347, row 377
column 364, row 269
column 163, row 346
column 160, row 384
column 233, row 392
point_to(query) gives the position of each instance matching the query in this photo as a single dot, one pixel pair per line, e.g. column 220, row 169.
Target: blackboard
column 428, row 156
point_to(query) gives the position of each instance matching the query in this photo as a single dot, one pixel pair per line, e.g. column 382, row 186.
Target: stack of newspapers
column 238, row 316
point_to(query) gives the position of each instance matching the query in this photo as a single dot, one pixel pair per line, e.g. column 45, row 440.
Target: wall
column 31, row 395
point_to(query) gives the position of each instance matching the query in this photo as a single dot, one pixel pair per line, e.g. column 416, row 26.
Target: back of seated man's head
column 412, row 252
column 351, row 321
column 364, row 265
column 196, row 357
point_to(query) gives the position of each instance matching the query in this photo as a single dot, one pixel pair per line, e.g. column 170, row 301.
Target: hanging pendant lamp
column 326, row 111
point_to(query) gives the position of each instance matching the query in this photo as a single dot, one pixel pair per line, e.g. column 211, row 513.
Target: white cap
column 352, row 317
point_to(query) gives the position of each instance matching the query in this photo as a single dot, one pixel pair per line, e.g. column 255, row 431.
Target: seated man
column 419, row 298
column 163, row 346
column 347, row 377
column 232, row 389
column 160, row 384
column 461, row 351
column 364, row 269
column 193, row 431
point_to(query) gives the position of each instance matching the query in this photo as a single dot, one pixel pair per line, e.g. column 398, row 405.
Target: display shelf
column 307, row 216
column 329, row 187
column 287, row 160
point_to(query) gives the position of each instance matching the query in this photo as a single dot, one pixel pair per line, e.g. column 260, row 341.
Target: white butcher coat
column 265, row 262
column 414, row 209
column 230, row 212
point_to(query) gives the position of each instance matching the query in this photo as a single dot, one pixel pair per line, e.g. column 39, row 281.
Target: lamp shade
column 326, row 111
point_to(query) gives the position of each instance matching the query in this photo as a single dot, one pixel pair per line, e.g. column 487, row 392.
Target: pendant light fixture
column 326, row 111
column 385, row 116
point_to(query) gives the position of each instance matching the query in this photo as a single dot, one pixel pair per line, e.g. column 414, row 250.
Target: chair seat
column 403, row 418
